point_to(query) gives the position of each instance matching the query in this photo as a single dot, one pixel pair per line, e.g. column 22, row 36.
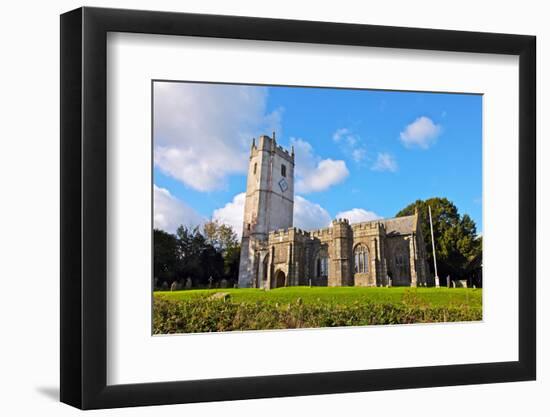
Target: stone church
column 276, row 254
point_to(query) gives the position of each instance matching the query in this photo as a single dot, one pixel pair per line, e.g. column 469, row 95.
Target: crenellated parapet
column 268, row 144
column 341, row 229
column 372, row 225
column 321, row 233
column 292, row 234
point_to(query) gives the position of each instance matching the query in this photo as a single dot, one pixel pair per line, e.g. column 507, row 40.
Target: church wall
column 279, row 262
column 398, row 246
column 296, row 253
column 322, row 245
column 368, row 234
column 291, row 249
column 423, row 271
column 245, row 265
column 340, row 254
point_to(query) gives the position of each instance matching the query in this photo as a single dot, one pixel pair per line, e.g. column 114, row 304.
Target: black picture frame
column 84, row 207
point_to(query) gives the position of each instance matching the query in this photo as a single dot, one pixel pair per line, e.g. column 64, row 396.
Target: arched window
column 283, row 170
column 361, row 257
column 321, row 265
column 324, row 266
column 255, row 167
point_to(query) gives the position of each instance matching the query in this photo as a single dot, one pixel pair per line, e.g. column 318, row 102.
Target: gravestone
column 188, row 283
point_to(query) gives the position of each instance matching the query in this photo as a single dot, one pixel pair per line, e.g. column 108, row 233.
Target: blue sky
column 360, row 154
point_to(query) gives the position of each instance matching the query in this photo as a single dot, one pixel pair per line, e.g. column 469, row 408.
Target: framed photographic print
column 257, row 207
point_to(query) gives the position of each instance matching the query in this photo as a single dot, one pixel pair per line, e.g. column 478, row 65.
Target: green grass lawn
column 435, row 297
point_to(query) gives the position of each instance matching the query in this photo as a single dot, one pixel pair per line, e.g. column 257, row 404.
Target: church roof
column 395, row 226
column 400, row 225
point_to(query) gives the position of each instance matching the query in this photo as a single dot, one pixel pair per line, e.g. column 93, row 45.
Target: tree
column 456, row 240
column 199, row 258
column 231, row 261
column 220, row 235
column 200, row 254
column 224, row 239
column 165, row 260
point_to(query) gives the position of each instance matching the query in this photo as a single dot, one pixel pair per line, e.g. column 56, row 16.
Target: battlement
column 281, row 149
column 266, row 143
column 374, row 224
column 279, row 233
column 288, row 233
column 320, row 233
column 340, row 221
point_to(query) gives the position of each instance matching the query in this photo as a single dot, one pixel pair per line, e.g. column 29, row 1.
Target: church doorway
column 280, row 279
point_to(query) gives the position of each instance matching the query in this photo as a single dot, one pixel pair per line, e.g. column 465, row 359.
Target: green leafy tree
column 165, row 246
column 199, row 258
column 212, row 251
column 231, row 262
column 224, row 239
column 456, row 240
column 220, row 235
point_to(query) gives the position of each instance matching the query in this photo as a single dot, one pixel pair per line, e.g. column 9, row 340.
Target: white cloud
column 232, row 214
column 313, row 173
column 308, row 215
column 339, row 134
column 350, row 143
column 385, row 162
column 203, row 131
column 345, row 135
column 304, row 158
column 170, row 212
column 421, row 133
column 358, row 215
column 327, row 173
column 359, row 154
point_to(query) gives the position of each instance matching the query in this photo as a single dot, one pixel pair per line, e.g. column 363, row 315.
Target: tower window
column 255, row 167
column 283, row 170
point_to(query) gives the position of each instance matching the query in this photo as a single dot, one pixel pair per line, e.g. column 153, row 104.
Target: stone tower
column 341, row 265
column 269, row 203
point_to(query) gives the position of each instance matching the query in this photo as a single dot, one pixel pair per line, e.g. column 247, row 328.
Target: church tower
column 269, row 203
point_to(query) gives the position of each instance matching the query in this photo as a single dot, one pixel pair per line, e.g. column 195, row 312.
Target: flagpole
column 433, row 247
